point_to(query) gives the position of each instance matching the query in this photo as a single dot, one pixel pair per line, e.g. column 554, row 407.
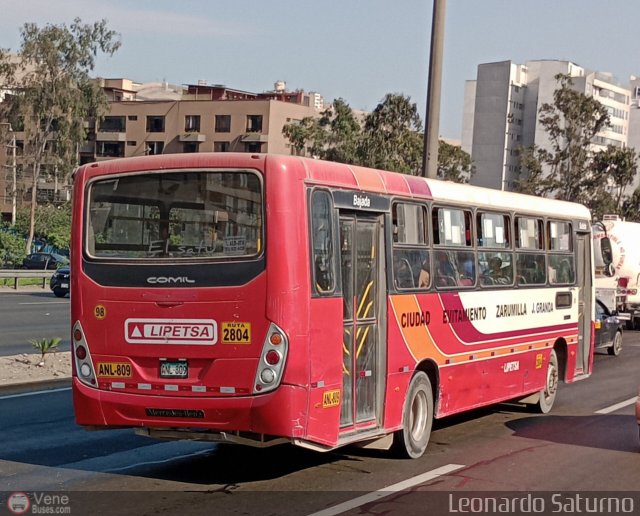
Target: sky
column 357, row 50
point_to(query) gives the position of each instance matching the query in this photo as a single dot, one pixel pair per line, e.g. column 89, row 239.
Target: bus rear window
column 176, row 215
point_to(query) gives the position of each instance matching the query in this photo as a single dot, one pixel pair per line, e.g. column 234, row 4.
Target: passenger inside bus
column 562, row 274
column 324, row 280
column 467, row 276
column 403, row 273
column 445, row 273
column 425, row 277
column 498, row 272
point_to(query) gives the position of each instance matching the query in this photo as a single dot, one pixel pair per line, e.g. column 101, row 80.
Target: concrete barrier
column 17, row 274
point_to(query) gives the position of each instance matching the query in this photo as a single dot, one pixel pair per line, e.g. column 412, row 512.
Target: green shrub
column 12, row 248
column 45, row 346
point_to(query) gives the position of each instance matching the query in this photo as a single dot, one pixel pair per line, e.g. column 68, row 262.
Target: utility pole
column 14, row 179
column 430, row 157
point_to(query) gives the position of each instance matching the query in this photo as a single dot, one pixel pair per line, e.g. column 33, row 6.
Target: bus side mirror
column 607, row 256
column 609, row 270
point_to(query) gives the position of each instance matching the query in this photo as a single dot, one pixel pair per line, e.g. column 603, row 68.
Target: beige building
column 160, row 118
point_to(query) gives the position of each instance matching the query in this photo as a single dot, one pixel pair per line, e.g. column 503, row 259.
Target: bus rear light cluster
column 272, row 360
column 82, row 357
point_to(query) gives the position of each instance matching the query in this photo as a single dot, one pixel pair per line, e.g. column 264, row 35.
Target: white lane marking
column 46, row 303
column 386, row 491
column 34, row 393
column 170, row 459
column 613, row 408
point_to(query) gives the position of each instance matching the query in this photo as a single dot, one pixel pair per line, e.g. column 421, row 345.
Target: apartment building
column 634, row 124
column 501, row 113
column 160, row 118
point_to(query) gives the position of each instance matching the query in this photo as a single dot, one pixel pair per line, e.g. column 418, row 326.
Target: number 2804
column 240, row 334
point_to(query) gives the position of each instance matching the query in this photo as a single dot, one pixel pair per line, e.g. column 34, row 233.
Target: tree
column 333, row 136
column 305, row 135
column 52, row 95
column 571, row 122
column 614, row 171
column 52, row 223
column 343, row 133
column 11, row 247
column 533, row 182
column 454, row 164
column 392, row 136
column 389, row 138
column 631, row 207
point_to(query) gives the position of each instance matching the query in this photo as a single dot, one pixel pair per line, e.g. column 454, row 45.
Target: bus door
column 585, row 301
column 363, row 290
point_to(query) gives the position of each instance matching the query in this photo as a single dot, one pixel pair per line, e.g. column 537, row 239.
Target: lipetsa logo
column 171, row 331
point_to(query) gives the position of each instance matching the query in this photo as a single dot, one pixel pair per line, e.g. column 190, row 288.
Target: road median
column 28, row 372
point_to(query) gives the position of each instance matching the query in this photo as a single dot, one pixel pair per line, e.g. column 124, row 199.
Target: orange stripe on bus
column 417, row 338
column 368, row 181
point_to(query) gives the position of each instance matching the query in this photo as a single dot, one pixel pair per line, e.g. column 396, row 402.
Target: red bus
column 262, row 299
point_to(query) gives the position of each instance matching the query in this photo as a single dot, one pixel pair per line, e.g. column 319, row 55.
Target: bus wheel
column 548, row 394
column 417, row 416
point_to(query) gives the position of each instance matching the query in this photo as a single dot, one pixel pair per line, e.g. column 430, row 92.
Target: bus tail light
column 82, row 357
column 81, row 352
column 272, row 360
column 272, row 357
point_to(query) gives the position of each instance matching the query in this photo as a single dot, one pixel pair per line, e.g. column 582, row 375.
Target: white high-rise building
column 501, row 114
column 634, row 124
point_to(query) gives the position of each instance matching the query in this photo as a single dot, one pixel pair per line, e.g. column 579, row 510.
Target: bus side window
column 446, row 274
column 561, row 269
column 411, row 268
column 466, row 266
column 323, row 274
column 411, row 264
column 403, row 273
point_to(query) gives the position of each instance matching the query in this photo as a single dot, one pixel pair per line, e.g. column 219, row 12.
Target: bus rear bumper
column 278, row 413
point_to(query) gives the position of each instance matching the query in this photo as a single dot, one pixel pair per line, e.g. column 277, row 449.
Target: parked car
column 608, row 329
column 44, row 261
column 59, row 282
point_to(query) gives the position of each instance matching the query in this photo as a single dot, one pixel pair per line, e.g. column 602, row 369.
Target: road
column 587, row 444
column 32, row 315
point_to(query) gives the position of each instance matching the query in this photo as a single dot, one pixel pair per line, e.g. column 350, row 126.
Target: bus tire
column 548, row 393
column 417, row 417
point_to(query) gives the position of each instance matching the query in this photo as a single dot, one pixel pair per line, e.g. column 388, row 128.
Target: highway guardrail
column 17, row 274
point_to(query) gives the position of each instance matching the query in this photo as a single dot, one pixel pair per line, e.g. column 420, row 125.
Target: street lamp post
column 14, row 179
column 430, row 157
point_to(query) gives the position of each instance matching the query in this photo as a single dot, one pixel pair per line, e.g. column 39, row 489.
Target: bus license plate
column 114, row 370
column 174, row 369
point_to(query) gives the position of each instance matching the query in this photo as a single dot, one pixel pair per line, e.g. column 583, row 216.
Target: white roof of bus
column 487, row 197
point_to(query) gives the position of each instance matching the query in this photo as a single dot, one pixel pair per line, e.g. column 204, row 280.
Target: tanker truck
column 618, row 283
